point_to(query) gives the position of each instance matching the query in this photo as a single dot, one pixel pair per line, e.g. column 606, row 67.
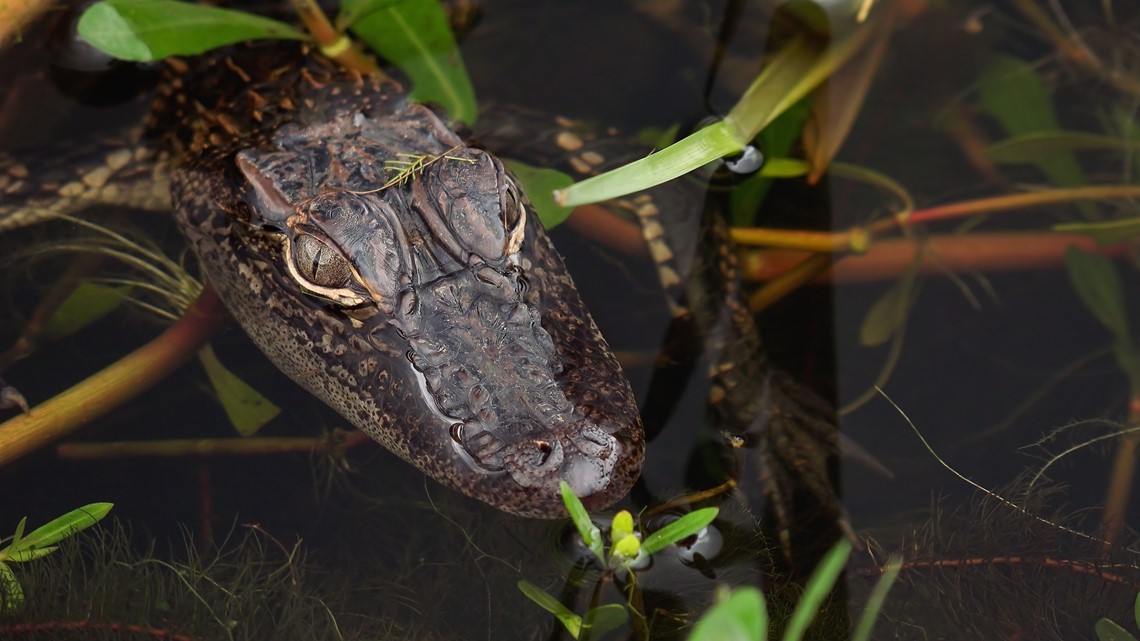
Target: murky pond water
column 1000, row 348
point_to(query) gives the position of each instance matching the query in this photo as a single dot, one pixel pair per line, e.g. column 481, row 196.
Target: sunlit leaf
column 1099, row 287
column 1012, row 92
column 602, row 619
column 888, row 314
column 62, row 527
column 415, row 36
column 11, row 593
column 1104, row 233
column 741, row 617
column 572, row 622
column 818, row 587
column 539, row 184
column 149, row 30
column 86, row 304
column 591, row 535
column 1106, row 630
column 875, row 601
column 682, row 528
column 246, row 408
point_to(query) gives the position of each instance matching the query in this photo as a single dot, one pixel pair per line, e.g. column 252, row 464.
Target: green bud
column 627, row 547
column 621, row 527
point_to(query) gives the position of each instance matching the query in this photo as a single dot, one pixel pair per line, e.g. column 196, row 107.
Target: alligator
column 431, row 309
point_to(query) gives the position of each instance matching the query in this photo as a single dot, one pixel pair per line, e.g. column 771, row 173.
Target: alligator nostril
column 544, row 450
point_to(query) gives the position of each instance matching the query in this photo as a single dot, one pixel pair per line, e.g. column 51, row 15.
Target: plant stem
column 1120, row 483
column 211, row 446
column 114, row 385
column 331, row 42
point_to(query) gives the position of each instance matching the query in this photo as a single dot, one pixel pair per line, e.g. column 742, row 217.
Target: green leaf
column 149, row 30
column 741, row 617
column 1013, row 93
column 1098, row 284
column 539, row 185
column 591, row 535
column 246, row 408
column 23, row 556
column 817, row 589
column 875, row 601
column 11, row 593
column 1136, row 610
column 353, row 11
column 1032, row 147
column 1104, row 233
column 1106, row 630
column 86, row 304
column 572, row 622
column 604, row 618
column 888, row 314
column 19, row 531
column 61, row 527
column 703, row 146
column 416, row 37
column 682, row 528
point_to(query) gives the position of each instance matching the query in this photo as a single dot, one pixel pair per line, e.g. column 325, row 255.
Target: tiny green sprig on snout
column 625, row 554
column 626, row 546
column 39, row 543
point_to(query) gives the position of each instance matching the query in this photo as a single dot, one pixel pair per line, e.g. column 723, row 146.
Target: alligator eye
column 512, row 206
column 320, row 264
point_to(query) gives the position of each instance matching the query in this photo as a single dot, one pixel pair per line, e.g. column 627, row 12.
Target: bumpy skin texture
column 434, row 313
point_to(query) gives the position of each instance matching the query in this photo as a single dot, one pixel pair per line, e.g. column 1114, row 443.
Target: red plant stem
column 30, row 629
column 114, row 385
column 1076, row 567
column 886, row 259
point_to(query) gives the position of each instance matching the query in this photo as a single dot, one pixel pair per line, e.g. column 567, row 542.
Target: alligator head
column 427, row 306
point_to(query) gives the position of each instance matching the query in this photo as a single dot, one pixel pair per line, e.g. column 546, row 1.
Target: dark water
column 422, row 562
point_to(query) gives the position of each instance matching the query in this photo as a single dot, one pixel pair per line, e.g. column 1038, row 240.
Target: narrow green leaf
column 875, row 601
column 23, row 556
column 1104, row 233
column 415, row 36
column 149, row 30
column 695, row 150
column 62, row 527
column 1031, row 148
column 539, row 185
column 246, row 408
column 682, row 528
column 11, row 592
column 817, row 589
column 590, row 533
column 742, row 617
column 19, row 531
column 1106, row 630
column 353, row 11
column 572, row 622
column 602, row 619
column 86, row 304
column 1098, row 285
column 784, row 168
column 888, row 314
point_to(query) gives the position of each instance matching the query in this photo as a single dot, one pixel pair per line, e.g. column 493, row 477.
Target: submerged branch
column 114, row 385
